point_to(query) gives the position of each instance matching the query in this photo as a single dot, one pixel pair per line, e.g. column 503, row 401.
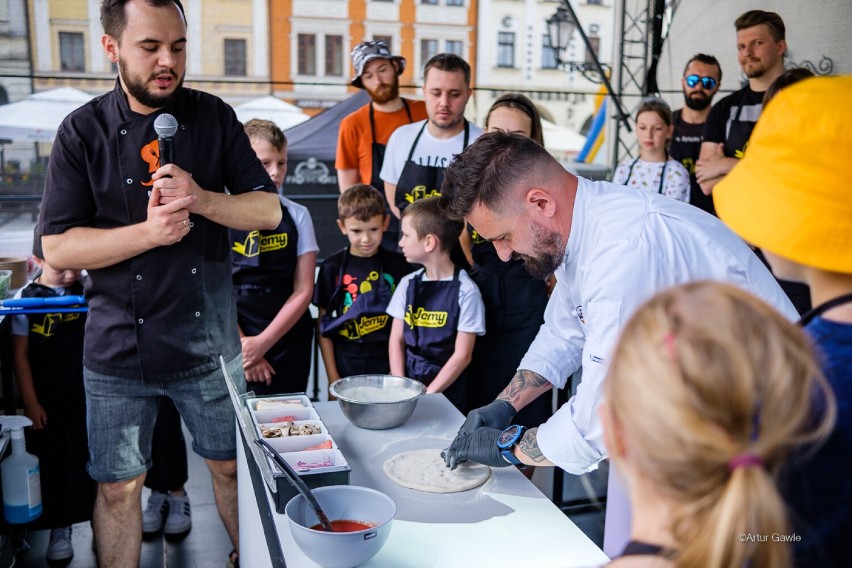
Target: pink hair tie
column 670, row 345
column 745, row 460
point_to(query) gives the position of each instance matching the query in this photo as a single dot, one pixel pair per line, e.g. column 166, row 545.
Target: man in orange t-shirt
column 364, row 133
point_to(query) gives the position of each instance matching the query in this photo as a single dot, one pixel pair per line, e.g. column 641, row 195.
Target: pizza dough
column 377, row 394
column 424, row 470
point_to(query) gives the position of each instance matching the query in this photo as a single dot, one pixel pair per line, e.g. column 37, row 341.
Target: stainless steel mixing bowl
column 386, row 402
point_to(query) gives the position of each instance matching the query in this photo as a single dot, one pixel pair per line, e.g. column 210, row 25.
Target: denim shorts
column 121, row 413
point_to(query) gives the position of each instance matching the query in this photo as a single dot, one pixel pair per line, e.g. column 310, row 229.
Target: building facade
column 310, row 41
column 227, row 53
column 515, row 55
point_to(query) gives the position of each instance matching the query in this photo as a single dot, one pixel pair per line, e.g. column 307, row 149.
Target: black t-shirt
column 167, row 312
column 685, row 148
column 732, row 119
column 392, row 265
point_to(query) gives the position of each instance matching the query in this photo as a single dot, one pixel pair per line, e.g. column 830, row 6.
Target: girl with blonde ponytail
column 709, row 390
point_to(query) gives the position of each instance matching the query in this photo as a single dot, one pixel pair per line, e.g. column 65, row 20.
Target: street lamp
column 560, row 27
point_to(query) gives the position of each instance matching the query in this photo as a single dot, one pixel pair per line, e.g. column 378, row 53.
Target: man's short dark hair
column 114, row 15
column 427, row 218
column 448, row 62
column 756, row 17
column 488, row 169
column 705, row 59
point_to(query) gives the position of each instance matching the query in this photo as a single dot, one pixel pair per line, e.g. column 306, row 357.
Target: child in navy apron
column 273, row 274
column 354, row 287
column 437, row 311
column 48, row 362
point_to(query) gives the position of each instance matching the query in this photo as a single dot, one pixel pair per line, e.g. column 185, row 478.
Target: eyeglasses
column 708, row 83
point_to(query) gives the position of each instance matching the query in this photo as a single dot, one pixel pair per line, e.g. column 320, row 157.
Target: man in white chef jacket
column 611, row 248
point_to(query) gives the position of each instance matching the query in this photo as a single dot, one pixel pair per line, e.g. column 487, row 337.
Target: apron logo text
column 51, row 322
column 255, row 244
column 364, row 326
column 423, row 318
column 420, row 192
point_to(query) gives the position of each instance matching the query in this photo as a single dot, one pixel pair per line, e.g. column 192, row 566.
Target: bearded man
column 364, row 134
column 761, row 46
column 154, row 240
column 702, row 77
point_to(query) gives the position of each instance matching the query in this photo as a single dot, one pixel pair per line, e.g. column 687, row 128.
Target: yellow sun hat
column 792, row 192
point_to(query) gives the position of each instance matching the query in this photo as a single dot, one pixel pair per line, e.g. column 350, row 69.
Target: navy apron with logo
column 430, row 344
column 514, row 311
column 360, row 337
column 56, row 359
column 390, row 239
column 264, row 266
column 416, row 181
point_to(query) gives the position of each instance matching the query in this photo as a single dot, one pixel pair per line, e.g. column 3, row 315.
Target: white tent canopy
column 271, row 108
column 561, row 140
column 37, row 117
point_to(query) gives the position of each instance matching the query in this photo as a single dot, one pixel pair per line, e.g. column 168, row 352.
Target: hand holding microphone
column 166, row 127
column 172, row 182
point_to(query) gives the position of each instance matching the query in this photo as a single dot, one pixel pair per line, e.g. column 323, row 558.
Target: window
column 307, row 54
column 428, row 49
column 334, row 55
column 71, row 54
column 235, row 57
column 506, row 49
column 455, row 2
column 595, row 42
column 596, row 2
column 429, row 2
column 387, row 39
column 548, row 55
column 454, row 46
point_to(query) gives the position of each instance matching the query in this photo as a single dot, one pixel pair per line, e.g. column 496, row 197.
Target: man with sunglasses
column 701, row 78
column 760, row 52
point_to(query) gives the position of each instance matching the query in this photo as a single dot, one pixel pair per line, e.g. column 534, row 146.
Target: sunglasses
column 708, row 83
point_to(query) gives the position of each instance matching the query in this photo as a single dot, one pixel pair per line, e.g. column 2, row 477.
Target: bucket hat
column 790, row 194
column 367, row 50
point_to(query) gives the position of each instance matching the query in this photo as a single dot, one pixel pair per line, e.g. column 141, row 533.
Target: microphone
column 166, row 127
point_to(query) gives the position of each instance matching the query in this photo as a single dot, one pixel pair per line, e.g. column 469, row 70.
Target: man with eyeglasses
column 760, row 52
column 701, row 78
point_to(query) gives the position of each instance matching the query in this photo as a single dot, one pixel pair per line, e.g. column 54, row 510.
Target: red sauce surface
column 344, row 525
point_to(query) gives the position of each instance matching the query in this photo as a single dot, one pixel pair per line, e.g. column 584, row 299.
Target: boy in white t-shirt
column 438, row 310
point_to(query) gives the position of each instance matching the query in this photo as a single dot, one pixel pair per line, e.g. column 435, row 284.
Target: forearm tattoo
column 522, row 380
column 529, row 445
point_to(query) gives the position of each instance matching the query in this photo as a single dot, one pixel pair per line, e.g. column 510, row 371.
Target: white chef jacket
column 624, row 246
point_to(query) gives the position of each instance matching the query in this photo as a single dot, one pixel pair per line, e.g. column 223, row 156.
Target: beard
column 137, row 88
column 385, row 93
column 697, row 102
column 756, row 70
column 550, row 253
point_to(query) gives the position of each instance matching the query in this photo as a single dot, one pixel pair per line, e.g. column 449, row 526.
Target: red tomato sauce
column 344, row 525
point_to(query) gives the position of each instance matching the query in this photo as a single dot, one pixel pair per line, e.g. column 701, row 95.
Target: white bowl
column 342, row 502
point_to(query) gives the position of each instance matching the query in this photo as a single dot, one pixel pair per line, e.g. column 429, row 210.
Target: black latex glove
column 479, row 446
column 497, row 414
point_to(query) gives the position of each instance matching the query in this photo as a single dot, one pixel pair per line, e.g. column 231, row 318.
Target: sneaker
column 60, row 545
column 179, row 520
column 155, row 513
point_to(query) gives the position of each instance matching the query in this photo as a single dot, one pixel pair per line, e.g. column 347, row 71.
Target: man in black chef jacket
column 154, row 240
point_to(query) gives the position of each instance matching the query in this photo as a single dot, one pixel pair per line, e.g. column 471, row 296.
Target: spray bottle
column 21, row 476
